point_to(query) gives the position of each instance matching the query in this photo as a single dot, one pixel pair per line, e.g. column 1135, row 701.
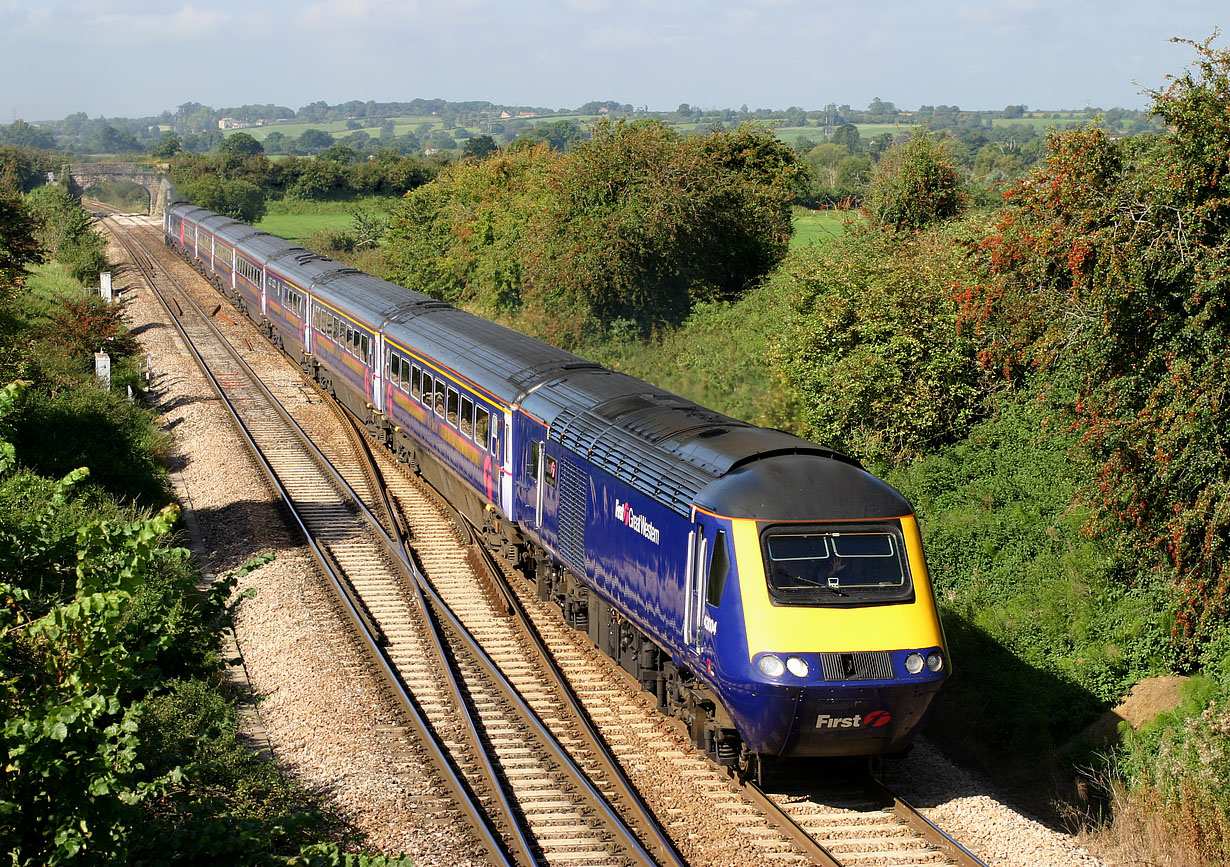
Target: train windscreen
column 856, row 565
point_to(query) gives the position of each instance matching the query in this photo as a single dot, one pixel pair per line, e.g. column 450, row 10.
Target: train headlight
column 771, row 665
column 797, row 667
column 914, row 663
column 935, row 661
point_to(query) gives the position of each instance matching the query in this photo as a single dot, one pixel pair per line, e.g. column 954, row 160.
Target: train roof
column 681, row 453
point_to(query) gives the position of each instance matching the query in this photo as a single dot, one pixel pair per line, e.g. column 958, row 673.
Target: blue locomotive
column 770, row 592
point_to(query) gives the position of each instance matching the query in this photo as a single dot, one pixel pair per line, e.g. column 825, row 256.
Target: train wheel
column 748, row 767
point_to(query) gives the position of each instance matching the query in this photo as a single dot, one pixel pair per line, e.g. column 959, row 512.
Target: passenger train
column 769, row 591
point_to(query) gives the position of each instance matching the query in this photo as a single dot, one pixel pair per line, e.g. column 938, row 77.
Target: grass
column 297, row 220
column 818, row 227
column 338, row 128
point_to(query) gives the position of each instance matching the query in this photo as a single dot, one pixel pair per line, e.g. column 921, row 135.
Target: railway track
column 556, row 817
column 513, row 778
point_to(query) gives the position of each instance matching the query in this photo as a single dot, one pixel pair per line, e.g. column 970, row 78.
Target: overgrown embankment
column 118, row 745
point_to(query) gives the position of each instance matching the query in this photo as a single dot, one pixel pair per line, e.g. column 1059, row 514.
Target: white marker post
column 102, row 369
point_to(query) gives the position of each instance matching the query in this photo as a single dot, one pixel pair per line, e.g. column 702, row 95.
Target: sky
column 136, row 58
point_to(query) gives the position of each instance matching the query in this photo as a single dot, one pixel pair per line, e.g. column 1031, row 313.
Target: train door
column 502, row 448
column 530, row 453
column 379, row 362
column 694, row 586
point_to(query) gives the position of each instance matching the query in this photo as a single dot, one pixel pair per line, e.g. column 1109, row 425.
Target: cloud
column 629, row 39
column 588, row 7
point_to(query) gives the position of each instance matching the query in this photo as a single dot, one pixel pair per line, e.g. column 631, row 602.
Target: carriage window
column 855, row 565
column 440, row 397
column 719, row 568
column 394, row 367
column 416, row 383
column 467, row 417
column 404, row 376
column 426, row 396
column 452, row 407
column 480, row 426
column 532, row 464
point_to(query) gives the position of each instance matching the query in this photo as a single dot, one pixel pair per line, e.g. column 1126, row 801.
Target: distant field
column 1062, row 120
column 819, row 227
column 297, row 220
column 401, row 125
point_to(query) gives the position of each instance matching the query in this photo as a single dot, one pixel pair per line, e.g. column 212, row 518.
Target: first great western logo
column 637, row 523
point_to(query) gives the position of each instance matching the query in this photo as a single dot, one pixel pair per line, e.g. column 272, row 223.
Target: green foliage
column 167, row 146
column 54, row 432
column 871, row 348
column 719, row 357
column 1042, row 626
column 66, row 232
column 479, row 147
column 914, row 185
column 72, row 785
column 636, row 224
column 1110, row 262
column 225, row 805
column 234, row 198
column 240, row 144
column 462, row 237
column 19, row 245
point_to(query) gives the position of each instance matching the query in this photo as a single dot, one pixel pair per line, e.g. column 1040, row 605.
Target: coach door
column 695, row 586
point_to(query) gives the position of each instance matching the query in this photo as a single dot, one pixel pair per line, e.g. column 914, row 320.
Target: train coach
column 770, row 592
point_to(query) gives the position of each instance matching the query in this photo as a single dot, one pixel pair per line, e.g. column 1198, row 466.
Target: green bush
column 870, row 344
column 1045, row 624
column 118, row 440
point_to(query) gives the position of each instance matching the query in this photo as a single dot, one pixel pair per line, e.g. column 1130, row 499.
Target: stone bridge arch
column 84, row 175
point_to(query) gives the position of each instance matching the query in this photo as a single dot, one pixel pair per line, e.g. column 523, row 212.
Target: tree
column 914, row 185
column 66, row 232
column 234, row 198
column 340, row 154
column 110, row 141
column 561, row 135
column 167, row 146
column 1107, row 272
column 240, row 144
column 479, row 146
column 22, row 134
column 634, row 225
column 18, row 245
column 314, row 140
column 847, row 135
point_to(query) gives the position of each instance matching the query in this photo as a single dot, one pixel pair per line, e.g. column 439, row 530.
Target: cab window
column 853, row 565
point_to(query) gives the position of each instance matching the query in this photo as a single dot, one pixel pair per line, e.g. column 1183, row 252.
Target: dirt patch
column 1147, row 699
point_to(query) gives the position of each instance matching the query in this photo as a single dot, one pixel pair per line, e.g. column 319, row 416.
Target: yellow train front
column 824, row 639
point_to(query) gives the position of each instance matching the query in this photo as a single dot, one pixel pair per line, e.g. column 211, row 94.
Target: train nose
column 865, row 721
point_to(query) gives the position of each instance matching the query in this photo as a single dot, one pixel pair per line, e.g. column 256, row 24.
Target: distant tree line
column 196, row 126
